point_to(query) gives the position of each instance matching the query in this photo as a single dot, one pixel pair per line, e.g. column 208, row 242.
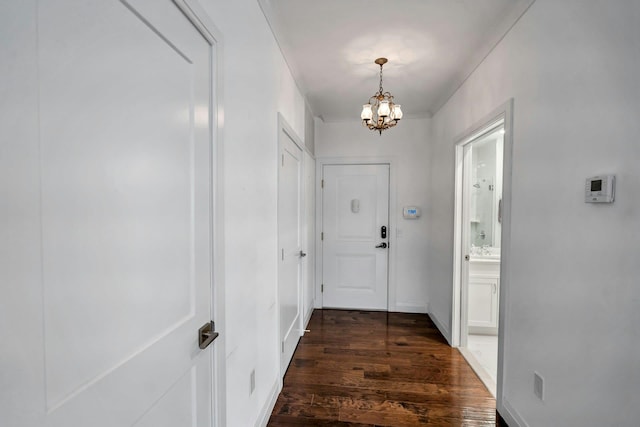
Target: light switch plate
column 538, row 385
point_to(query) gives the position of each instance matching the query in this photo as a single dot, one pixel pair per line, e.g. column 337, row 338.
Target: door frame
column 392, row 161
column 462, row 238
column 199, row 18
column 284, row 127
column 505, row 113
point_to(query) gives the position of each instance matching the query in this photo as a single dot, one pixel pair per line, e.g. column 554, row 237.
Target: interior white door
column 467, row 156
column 308, row 262
column 124, row 249
column 355, row 207
column 290, row 239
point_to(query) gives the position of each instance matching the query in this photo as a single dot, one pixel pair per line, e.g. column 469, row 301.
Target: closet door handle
column 206, row 335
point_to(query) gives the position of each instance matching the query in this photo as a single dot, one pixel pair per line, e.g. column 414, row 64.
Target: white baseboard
column 511, row 416
column 405, row 307
column 308, row 316
column 265, row 413
column 444, row 331
column 480, row 371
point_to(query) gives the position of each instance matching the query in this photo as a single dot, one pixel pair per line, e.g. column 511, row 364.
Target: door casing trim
column 200, row 19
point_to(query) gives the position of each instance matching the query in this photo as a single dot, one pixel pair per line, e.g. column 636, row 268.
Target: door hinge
column 322, row 184
column 322, row 236
column 322, row 288
column 282, row 254
column 283, row 160
column 283, row 346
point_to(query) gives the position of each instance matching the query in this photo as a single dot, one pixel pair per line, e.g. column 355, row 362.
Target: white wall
column 573, row 303
column 309, row 131
column 21, row 334
column 408, row 144
column 257, row 85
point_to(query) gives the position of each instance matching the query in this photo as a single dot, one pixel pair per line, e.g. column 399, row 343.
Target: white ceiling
column 432, row 47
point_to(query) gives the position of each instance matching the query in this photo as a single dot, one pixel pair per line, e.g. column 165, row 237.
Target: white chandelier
column 380, row 113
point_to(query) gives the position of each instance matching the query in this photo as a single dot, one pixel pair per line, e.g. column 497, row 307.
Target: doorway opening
column 479, row 226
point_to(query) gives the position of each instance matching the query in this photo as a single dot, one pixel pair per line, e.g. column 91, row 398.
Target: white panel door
column 308, row 262
column 125, row 218
column 354, row 254
column 290, row 240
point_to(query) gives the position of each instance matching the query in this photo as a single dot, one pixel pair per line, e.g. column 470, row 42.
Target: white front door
column 122, row 259
column 290, row 211
column 355, row 208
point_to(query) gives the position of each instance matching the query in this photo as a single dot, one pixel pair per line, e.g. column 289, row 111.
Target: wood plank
column 358, row 368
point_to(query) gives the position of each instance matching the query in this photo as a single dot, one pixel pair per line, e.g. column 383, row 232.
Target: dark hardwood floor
column 358, row 368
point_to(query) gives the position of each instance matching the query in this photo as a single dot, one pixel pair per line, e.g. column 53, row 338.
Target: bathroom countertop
column 487, row 258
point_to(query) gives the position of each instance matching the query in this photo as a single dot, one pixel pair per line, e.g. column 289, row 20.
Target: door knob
column 302, row 254
column 382, row 245
column 206, row 335
column 466, row 257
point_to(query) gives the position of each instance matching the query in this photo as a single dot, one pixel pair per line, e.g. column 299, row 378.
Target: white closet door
column 124, row 243
column 290, row 211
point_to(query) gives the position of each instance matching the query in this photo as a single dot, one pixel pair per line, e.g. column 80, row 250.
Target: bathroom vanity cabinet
column 484, row 293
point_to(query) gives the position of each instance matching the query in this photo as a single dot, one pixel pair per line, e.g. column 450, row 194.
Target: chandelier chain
column 380, row 79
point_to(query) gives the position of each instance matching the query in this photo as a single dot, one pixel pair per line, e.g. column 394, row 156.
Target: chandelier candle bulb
column 397, row 112
column 366, row 114
column 383, row 109
column 380, row 113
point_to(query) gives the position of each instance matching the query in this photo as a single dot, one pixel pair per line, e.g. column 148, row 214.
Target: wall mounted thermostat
column 600, row 189
column 411, row 212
